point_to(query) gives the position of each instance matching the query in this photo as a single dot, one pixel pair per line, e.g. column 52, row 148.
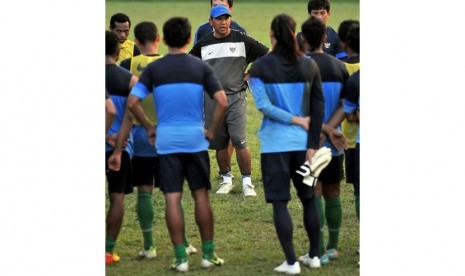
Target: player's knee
column 331, row 190
column 239, row 142
column 145, row 189
column 117, row 199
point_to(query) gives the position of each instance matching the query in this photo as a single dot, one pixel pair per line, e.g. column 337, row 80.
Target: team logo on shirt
column 140, row 68
column 327, row 45
column 232, row 49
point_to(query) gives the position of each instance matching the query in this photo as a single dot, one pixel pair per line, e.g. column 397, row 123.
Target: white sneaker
column 310, row 262
column 225, row 188
column 149, row 254
column 191, row 250
column 215, row 261
column 288, row 269
column 226, row 178
column 182, row 267
column 247, row 187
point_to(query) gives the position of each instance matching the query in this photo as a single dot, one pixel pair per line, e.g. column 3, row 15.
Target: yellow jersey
column 350, row 130
column 126, row 50
column 138, row 64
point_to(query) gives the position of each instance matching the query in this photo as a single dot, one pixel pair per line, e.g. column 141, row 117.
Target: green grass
column 255, row 17
column 244, row 231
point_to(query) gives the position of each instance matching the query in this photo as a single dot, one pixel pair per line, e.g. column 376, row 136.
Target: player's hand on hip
column 209, row 134
column 338, row 139
column 111, row 139
column 151, row 135
column 303, row 122
column 114, row 162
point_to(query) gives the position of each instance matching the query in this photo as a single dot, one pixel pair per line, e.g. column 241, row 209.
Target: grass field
column 244, row 232
column 254, row 16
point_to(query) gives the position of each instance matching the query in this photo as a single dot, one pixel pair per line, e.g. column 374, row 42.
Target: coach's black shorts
column 145, row 171
column 277, row 171
column 334, row 172
column 349, row 156
column 194, row 167
column 120, row 181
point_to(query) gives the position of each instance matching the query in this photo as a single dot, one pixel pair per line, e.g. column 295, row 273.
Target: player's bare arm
column 329, row 129
column 114, row 162
column 353, row 117
column 222, row 104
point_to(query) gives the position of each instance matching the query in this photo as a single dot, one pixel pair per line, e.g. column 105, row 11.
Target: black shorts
column 145, row 171
column 277, row 171
column 120, row 181
column 349, row 160
column 194, row 167
column 334, row 172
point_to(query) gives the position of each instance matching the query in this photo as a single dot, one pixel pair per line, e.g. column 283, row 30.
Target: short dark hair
column 318, row 5
column 111, row 43
column 313, row 31
column 146, row 31
column 349, row 33
column 120, row 18
column 177, row 31
column 283, row 27
column 230, row 3
column 344, row 28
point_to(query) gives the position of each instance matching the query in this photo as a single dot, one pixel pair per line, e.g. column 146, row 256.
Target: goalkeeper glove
column 310, row 172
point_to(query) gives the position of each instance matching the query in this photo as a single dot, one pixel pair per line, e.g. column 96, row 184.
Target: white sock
column 246, row 180
column 227, row 179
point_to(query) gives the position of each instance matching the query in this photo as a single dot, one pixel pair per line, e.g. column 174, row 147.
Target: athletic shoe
column 191, row 250
column 215, row 261
column 181, row 267
column 324, row 260
column 310, row 262
column 247, row 187
column 288, row 269
column 225, row 188
column 111, row 258
column 149, row 254
column 332, row 254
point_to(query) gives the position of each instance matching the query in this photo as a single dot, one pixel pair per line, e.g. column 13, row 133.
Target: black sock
column 283, row 225
column 312, row 225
